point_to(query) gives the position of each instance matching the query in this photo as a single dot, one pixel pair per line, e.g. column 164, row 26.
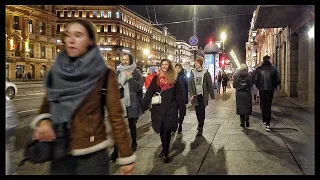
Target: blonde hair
column 170, row 73
column 243, row 67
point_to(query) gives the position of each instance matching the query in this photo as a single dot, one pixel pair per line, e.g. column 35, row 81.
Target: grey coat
column 135, row 87
column 207, row 88
column 243, row 99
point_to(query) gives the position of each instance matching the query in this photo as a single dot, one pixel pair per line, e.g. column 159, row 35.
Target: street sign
column 194, row 48
column 193, row 40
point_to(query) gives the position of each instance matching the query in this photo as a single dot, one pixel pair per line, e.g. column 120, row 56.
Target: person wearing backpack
column 243, row 83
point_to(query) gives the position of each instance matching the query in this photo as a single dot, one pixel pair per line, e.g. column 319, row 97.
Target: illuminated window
column 109, row 14
column 16, row 22
column 94, row 14
column 118, row 15
column 30, row 26
column 102, row 14
column 42, row 28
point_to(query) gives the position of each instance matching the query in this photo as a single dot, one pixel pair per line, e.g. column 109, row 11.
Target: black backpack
column 243, row 84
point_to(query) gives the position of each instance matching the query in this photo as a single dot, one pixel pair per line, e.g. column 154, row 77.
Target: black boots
column 200, row 131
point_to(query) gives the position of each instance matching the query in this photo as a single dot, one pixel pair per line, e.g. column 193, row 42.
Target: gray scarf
column 69, row 82
column 122, row 80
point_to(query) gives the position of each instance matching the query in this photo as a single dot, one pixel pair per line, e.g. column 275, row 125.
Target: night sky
column 233, row 19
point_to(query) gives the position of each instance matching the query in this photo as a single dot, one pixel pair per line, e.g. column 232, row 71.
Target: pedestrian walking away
column 130, row 85
column 200, row 86
column 168, row 106
column 243, row 83
column 72, row 112
column 219, row 81
column 225, row 80
column 267, row 79
column 184, row 85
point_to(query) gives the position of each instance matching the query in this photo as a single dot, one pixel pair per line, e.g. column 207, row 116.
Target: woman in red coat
column 149, row 78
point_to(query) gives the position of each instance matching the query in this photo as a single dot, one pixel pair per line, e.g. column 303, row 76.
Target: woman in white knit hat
column 243, row 83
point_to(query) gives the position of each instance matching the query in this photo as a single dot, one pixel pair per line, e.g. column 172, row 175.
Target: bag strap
column 104, row 90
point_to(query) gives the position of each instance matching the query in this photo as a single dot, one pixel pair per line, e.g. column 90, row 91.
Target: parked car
column 11, row 90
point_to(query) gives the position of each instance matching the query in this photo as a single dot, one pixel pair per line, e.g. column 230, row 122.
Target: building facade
column 121, row 30
column 163, row 46
column 286, row 35
column 30, row 40
column 183, row 53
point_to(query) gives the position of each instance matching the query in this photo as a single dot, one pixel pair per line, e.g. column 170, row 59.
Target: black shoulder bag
column 41, row 151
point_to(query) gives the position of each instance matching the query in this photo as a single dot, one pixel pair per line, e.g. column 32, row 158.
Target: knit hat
column 200, row 61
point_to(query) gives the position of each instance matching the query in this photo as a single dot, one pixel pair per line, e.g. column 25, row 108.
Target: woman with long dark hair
column 72, row 112
column 166, row 112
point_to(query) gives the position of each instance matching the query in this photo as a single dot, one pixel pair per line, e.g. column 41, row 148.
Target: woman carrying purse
column 166, row 97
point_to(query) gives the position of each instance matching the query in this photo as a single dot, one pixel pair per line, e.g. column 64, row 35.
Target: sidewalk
column 225, row 147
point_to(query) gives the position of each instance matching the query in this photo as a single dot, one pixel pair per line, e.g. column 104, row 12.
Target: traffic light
column 222, row 60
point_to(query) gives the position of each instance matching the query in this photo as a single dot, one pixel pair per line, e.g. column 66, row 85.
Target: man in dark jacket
column 184, row 86
column 266, row 80
column 200, row 86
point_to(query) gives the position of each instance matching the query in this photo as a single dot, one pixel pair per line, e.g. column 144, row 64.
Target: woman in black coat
column 243, row 83
column 164, row 116
column 184, row 85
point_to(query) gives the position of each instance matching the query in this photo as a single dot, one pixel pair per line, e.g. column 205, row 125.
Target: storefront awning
column 274, row 16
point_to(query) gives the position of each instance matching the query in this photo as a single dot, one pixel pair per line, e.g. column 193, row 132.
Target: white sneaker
column 264, row 124
column 268, row 128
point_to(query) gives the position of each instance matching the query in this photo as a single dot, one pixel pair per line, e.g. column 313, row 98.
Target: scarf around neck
column 122, row 80
column 70, row 81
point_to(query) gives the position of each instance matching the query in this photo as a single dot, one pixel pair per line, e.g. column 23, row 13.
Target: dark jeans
column 244, row 118
column 200, row 111
column 96, row 163
column 224, row 87
column 133, row 133
column 165, row 136
column 266, row 102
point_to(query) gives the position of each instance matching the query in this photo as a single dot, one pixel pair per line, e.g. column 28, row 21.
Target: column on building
column 292, row 65
column 311, row 75
column 303, row 65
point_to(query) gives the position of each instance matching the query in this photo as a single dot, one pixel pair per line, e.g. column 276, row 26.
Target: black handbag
column 42, row 151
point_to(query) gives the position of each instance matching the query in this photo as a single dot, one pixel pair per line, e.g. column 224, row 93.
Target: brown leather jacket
column 88, row 131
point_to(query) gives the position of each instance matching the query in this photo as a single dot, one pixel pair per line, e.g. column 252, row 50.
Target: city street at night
column 224, row 148
column 247, row 70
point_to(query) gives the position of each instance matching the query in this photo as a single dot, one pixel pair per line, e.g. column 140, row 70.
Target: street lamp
column 311, row 33
column 170, row 57
column 146, row 52
column 223, row 38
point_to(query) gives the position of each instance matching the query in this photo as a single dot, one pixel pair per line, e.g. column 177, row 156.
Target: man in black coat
column 266, row 80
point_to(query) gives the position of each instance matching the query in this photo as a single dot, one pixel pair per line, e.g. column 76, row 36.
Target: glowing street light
column 311, row 33
column 223, row 38
column 170, row 57
column 146, row 52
